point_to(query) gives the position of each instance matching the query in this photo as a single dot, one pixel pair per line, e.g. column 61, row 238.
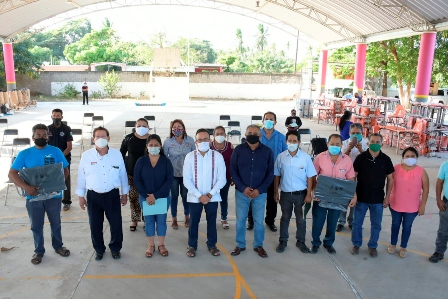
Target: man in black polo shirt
column 293, row 122
column 372, row 168
column 60, row 136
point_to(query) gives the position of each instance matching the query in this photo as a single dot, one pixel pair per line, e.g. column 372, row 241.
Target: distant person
column 60, row 136
column 39, row 155
column 85, row 94
column 358, row 97
column 408, row 198
column 293, row 122
column 344, row 125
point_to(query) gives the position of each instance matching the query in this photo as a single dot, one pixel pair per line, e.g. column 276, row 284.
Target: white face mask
column 101, row 143
column 154, row 151
column 410, row 161
column 203, row 146
column 141, row 131
column 292, row 147
column 220, row 139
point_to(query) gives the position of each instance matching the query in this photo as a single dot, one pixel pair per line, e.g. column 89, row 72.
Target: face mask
column 292, row 147
column 220, row 139
column 203, row 146
column 141, row 131
column 334, row 150
column 57, row 121
column 252, row 139
column 177, row 132
column 268, row 124
column 41, row 142
column 410, row 161
column 101, row 143
column 153, row 151
column 375, row 147
column 358, row 136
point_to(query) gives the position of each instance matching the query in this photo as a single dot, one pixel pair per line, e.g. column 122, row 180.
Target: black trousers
column 271, row 207
column 85, row 98
column 67, row 194
column 98, row 205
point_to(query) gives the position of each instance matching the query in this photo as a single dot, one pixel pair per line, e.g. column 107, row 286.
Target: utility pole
column 297, row 50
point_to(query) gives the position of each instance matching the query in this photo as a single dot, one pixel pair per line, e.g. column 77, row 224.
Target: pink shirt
column 342, row 169
column 407, row 189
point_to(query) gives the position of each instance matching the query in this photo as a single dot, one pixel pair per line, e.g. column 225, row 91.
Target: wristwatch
column 209, row 195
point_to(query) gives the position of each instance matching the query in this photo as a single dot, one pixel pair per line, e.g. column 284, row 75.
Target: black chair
column 5, row 142
column 234, row 129
column 19, row 142
column 129, row 124
column 151, row 122
column 256, row 118
column 78, row 132
column 224, row 118
column 305, row 142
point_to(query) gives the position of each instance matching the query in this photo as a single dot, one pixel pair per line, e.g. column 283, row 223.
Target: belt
column 296, row 192
column 103, row 193
column 444, row 199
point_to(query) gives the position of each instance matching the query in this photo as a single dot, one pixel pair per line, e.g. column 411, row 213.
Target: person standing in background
column 85, row 94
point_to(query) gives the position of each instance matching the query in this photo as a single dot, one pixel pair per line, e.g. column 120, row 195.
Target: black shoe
column 436, row 257
column 314, row 249
column 339, row 227
column 116, row 255
column 98, row 256
column 281, row 246
column 272, row 227
column 302, row 247
column 250, row 225
column 350, row 226
column 330, row 249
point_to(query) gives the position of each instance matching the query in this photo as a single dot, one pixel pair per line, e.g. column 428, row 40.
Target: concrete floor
column 291, row 274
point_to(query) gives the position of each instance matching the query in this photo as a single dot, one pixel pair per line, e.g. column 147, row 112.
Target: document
column 160, row 207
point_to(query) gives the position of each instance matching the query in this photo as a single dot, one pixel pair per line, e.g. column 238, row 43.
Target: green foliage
column 346, row 58
column 69, row 91
column 200, row 51
column 440, row 66
column 96, row 94
column 261, row 39
column 41, row 53
column 109, row 82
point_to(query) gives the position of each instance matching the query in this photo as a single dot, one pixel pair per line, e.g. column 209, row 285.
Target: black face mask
column 41, row 142
column 57, row 121
column 252, row 139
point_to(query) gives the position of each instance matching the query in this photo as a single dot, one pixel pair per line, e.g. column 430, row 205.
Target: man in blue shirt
column 294, row 172
column 39, row 155
column 276, row 141
column 252, row 169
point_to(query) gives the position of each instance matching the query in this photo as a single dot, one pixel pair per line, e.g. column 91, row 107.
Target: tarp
column 48, row 178
column 334, row 193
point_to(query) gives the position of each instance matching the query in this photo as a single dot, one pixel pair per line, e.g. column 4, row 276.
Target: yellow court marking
column 151, row 276
column 14, row 216
column 14, row 232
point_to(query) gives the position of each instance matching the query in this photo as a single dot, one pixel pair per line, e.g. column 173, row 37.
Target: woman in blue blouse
column 153, row 178
column 344, row 125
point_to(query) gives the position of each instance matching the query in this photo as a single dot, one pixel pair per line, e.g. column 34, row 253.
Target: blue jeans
column 242, row 203
column 224, row 192
column 178, row 184
column 36, row 212
column 151, row 220
column 376, row 217
column 211, row 210
column 319, row 216
column 397, row 218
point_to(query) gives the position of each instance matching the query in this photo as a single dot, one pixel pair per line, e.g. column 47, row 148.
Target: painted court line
column 153, row 276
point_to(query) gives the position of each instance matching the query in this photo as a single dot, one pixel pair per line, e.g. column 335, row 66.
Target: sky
column 218, row 27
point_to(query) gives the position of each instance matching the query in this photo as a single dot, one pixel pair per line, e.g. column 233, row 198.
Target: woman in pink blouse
column 408, row 198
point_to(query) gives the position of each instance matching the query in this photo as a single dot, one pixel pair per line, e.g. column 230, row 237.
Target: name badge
column 92, row 163
column 116, row 167
column 342, row 170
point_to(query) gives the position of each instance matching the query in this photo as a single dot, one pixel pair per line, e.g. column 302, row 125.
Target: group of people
column 267, row 169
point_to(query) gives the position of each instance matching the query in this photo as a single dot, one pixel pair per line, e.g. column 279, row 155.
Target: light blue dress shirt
column 294, row 171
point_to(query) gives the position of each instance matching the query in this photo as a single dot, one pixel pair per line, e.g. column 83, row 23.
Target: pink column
column 360, row 68
column 8, row 57
column 323, row 70
column 424, row 69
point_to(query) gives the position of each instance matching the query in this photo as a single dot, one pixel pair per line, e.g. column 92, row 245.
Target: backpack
column 318, row 145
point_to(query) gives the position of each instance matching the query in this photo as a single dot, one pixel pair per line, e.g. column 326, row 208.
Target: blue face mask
column 358, row 136
column 268, row 124
column 334, row 150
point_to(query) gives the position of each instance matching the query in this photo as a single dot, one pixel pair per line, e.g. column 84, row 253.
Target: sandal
column 187, row 221
column 63, row 251
column 148, row 252
column 174, row 224
column 133, row 228
column 37, row 258
column 214, row 251
column 391, row 249
column 403, row 252
column 162, row 252
column 225, row 224
column 191, row 252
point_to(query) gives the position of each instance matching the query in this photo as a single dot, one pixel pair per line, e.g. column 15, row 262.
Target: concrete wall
column 176, row 88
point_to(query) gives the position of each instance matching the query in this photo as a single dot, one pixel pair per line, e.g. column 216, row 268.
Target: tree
column 240, row 47
column 440, row 66
column 200, row 51
column 159, row 40
column 343, row 59
column 261, row 38
column 109, row 82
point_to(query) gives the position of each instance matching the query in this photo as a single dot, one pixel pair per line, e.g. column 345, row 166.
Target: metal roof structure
column 333, row 23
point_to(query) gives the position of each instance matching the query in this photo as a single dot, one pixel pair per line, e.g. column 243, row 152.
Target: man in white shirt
column 101, row 173
column 352, row 148
column 204, row 175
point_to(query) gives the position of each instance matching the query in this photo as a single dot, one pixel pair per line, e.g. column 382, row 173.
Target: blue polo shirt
column 254, row 169
column 277, row 143
column 443, row 175
column 294, row 171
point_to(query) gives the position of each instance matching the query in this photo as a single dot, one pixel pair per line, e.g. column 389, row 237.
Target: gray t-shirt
column 176, row 152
